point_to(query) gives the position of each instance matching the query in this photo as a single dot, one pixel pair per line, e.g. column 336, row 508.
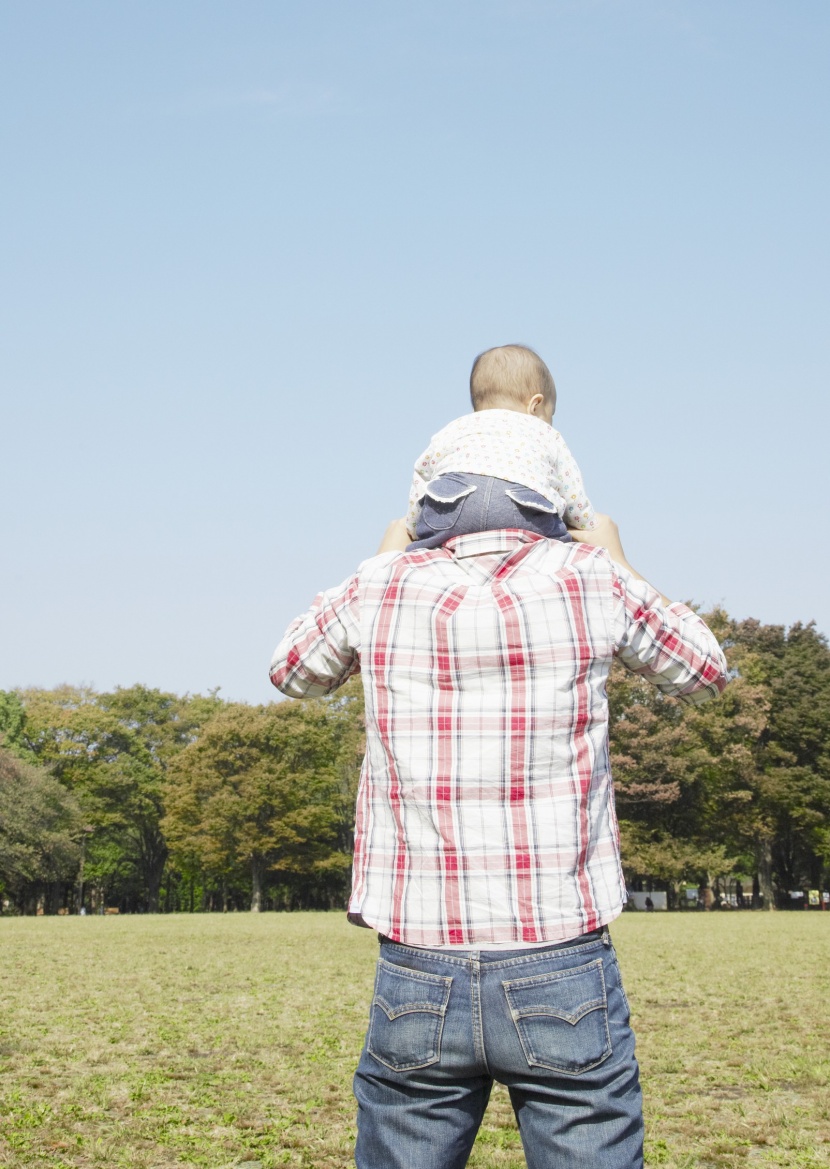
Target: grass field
column 224, row 1041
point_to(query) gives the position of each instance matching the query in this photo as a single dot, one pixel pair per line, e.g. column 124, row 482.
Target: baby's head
column 513, row 377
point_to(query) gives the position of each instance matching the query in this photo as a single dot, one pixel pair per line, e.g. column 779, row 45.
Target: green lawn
column 219, row 1041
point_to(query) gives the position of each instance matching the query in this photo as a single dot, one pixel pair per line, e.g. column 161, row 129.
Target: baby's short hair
column 512, row 373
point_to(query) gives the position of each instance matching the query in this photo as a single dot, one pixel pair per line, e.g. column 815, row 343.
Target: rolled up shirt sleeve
column 320, row 650
column 668, row 645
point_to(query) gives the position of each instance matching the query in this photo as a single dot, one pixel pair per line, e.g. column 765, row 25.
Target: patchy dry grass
column 217, row 1041
column 732, row 1014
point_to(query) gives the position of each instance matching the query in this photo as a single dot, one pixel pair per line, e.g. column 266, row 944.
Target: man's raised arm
column 606, row 534
column 664, row 642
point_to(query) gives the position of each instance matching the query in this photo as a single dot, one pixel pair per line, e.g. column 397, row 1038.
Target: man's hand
column 607, row 535
column 395, row 538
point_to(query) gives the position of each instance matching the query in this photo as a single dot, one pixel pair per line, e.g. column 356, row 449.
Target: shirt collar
column 483, row 543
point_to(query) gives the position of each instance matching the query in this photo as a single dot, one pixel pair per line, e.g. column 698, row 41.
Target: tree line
column 148, row 801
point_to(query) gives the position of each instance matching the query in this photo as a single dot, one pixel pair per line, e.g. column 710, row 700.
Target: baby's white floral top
column 508, row 445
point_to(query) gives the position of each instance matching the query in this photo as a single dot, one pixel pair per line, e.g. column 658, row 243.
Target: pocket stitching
column 408, row 1008
column 549, row 507
column 415, row 975
column 461, row 493
column 555, row 976
column 437, row 1010
column 552, row 1012
column 437, row 521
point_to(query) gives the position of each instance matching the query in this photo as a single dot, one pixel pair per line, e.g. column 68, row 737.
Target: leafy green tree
column 12, row 725
column 679, row 771
column 787, row 814
column 40, row 831
column 267, row 788
column 742, row 782
column 251, row 799
column 113, row 751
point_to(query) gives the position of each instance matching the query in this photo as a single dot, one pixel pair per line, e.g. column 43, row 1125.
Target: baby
column 503, row 466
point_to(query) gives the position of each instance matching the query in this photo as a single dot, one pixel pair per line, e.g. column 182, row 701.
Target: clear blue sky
column 250, row 251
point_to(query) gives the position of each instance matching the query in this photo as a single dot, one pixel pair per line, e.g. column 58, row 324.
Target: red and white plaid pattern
column 485, row 812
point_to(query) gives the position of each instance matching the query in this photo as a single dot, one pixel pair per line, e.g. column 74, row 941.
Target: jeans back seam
column 475, row 1011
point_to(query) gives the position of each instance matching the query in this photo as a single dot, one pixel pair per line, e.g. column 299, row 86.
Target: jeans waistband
column 596, row 935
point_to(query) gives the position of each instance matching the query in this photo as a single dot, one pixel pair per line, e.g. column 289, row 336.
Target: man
column 486, row 844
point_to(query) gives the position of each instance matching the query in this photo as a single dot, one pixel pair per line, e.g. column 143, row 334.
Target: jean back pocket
column 407, row 1018
column 444, row 501
column 562, row 1018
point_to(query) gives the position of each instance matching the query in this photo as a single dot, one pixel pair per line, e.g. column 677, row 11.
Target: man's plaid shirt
column 485, row 812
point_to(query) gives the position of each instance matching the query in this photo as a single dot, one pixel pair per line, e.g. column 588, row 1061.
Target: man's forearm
column 396, row 538
column 667, row 644
column 606, row 535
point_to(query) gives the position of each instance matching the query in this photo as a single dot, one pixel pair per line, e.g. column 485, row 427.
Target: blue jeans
column 550, row 1024
column 457, row 504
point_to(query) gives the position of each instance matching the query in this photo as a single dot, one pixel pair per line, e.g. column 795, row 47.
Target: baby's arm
column 416, row 494
column 579, row 512
column 424, row 467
